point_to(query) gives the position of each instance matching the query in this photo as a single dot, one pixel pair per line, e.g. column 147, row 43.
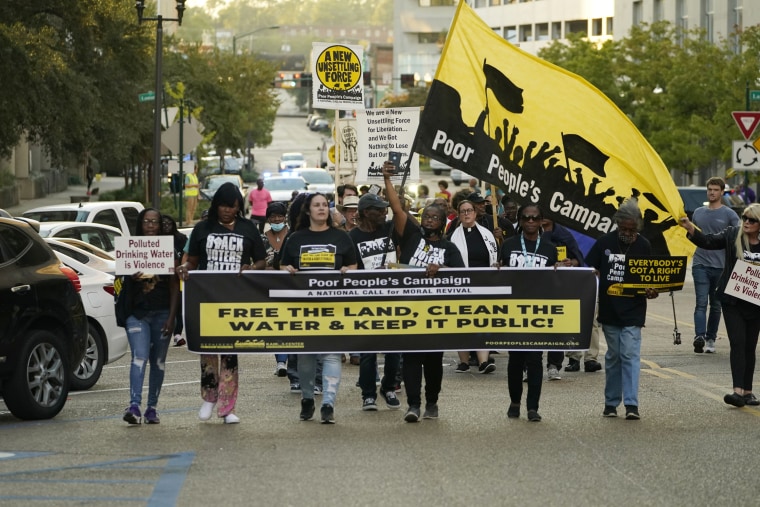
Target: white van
column 119, row 214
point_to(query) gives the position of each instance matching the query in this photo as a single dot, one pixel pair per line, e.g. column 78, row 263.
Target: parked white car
column 106, row 342
column 119, row 214
column 101, row 236
column 318, row 180
column 80, row 251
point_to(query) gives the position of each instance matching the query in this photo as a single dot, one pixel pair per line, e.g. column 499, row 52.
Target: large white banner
column 337, row 76
column 380, row 133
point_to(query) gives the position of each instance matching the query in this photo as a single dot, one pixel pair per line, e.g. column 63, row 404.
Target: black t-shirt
column 477, row 252
column 607, row 255
column 417, row 251
column 535, row 254
column 328, row 249
column 221, row 249
column 374, row 249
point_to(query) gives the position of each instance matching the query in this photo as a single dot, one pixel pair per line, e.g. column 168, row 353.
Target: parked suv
column 119, row 214
column 43, row 326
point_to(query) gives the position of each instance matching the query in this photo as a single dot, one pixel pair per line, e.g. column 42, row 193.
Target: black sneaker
column 295, row 387
column 513, row 412
column 749, row 399
column 487, row 367
column 632, row 413
column 431, row 411
column 307, row 409
column 573, row 365
column 462, row 368
column 699, row 344
column 533, row 416
column 369, row 404
column 609, row 411
column 391, row 400
column 735, row 399
column 591, row 366
column 327, row 414
column 412, row 414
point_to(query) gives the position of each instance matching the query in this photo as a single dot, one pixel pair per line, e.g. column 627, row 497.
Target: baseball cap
column 475, row 197
column 350, row 201
column 371, row 201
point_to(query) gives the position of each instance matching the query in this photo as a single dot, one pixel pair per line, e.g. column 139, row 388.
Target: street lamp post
column 248, row 34
column 159, row 19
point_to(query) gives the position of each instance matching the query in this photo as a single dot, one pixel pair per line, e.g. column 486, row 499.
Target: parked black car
column 43, row 326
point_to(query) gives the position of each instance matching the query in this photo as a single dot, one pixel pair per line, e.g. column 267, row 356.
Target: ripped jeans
column 331, row 370
column 147, row 346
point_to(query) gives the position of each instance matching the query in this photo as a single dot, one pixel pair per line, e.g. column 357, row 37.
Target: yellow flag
column 544, row 135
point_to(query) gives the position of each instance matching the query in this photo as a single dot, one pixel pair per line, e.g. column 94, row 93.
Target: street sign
column 747, row 121
column 147, row 97
column 190, row 137
column 745, row 157
column 754, row 95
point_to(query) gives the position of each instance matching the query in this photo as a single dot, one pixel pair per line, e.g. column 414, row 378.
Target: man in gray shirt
column 707, row 266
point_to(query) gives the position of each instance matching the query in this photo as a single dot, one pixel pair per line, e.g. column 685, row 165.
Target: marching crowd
column 457, row 233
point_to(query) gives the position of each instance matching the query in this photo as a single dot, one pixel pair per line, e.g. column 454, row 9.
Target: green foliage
column 410, row 98
column 7, row 179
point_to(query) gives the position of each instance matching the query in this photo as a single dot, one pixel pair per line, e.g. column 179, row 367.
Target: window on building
column 526, row 33
column 596, row 26
column 610, row 25
column 479, row 3
column 638, row 12
column 577, row 26
column 494, row 3
column 437, row 3
column 556, row 30
column 542, row 31
column 735, row 23
column 510, row 34
column 658, row 13
column 708, row 17
column 428, row 38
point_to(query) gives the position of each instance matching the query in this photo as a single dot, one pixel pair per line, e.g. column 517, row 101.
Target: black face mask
column 427, row 233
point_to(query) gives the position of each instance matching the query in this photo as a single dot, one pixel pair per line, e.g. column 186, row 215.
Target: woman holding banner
column 316, row 244
column 742, row 317
column 227, row 241
column 151, row 306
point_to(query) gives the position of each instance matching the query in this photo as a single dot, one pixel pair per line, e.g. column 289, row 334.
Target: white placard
column 380, row 131
column 744, row 282
column 151, row 255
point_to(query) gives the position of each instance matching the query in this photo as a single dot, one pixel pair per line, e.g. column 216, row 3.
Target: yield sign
column 747, row 121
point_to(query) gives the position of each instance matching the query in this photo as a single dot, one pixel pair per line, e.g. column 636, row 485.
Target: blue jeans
column 622, row 364
column 331, row 370
column 705, row 284
column 147, row 345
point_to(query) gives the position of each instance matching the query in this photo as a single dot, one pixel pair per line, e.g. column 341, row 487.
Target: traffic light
column 367, row 76
column 407, row 80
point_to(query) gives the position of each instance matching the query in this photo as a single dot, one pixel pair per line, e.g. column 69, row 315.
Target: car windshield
column 215, row 183
column 289, row 157
column 317, row 177
column 57, row 215
column 284, row 184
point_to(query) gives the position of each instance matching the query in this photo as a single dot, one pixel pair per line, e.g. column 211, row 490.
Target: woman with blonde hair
column 741, row 317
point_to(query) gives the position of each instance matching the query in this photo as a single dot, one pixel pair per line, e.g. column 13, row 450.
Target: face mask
column 427, row 233
column 627, row 239
column 277, row 227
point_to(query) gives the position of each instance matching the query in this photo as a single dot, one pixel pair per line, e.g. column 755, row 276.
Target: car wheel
column 457, row 183
column 39, row 384
column 437, row 172
column 88, row 372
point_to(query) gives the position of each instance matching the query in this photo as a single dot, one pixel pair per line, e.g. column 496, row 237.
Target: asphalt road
column 689, row 448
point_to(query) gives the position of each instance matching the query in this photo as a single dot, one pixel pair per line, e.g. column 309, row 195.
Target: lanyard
column 525, row 253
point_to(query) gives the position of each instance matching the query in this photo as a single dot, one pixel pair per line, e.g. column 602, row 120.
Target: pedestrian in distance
column 621, row 317
column 226, row 241
column 305, row 249
column 151, row 306
column 259, row 198
column 707, row 266
column 192, row 187
column 742, row 318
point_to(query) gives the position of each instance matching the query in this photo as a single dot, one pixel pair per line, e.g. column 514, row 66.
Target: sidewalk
column 106, row 184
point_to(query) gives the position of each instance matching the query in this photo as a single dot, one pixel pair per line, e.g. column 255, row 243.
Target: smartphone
column 374, row 189
column 395, row 157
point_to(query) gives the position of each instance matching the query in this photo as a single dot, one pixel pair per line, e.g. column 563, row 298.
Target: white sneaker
column 231, row 419
column 710, row 346
column 553, row 373
column 204, row 414
column 281, row 370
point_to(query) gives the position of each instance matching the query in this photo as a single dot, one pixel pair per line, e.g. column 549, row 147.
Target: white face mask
column 277, row 227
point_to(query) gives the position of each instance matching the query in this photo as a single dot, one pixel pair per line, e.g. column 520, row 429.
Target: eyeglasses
column 153, row 221
column 531, row 218
column 467, row 211
column 434, row 218
column 751, row 220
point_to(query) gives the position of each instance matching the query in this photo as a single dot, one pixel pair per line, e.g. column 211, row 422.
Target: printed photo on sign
column 151, row 255
column 337, row 76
